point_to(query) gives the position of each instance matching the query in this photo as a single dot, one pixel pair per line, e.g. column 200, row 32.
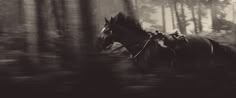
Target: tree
column 214, row 15
column 46, row 24
column 191, row 5
column 145, row 12
column 163, row 18
column 88, row 29
column 179, row 22
column 183, row 17
column 31, row 30
column 59, row 12
column 200, row 16
column 216, row 7
column 69, row 32
column 129, row 7
column 150, row 6
column 172, row 15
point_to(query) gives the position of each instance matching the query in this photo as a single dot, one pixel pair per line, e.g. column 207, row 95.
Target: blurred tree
column 31, row 30
column 191, row 4
column 68, row 28
column 145, row 12
column 46, row 24
column 179, row 22
column 217, row 11
column 183, row 16
column 163, row 18
column 129, row 7
column 200, row 27
column 87, row 30
column 172, row 14
column 149, row 7
column 215, row 24
column 10, row 16
column 59, row 12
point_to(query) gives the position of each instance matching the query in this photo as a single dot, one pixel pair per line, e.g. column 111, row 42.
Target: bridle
column 143, row 47
column 132, row 44
column 136, row 44
column 143, row 44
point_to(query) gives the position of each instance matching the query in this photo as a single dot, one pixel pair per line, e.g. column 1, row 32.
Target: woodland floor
column 109, row 76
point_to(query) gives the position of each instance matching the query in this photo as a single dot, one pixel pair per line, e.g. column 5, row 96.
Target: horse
column 189, row 53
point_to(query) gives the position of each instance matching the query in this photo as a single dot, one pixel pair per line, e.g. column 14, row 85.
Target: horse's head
column 105, row 37
column 121, row 28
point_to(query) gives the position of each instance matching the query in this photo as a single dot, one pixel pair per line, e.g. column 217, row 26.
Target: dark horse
column 181, row 52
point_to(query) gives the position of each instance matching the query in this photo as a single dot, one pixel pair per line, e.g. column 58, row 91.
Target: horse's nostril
column 100, row 39
column 103, row 37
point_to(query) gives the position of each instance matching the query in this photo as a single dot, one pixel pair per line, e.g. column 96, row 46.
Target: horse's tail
column 216, row 47
column 226, row 52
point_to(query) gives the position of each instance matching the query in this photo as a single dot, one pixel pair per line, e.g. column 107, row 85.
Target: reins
column 140, row 51
column 144, row 46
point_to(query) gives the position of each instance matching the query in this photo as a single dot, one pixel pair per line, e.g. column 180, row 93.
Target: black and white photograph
column 118, row 48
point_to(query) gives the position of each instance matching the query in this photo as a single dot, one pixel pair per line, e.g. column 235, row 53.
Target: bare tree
column 199, row 16
column 46, row 24
column 68, row 21
column 59, row 11
column 179, row 22
column 191, row 5
column 183, row 17
column 163, row 18
column 129, row 7
column 87, row 31
column 30, row 21
column 213, row 7
column 172, row 16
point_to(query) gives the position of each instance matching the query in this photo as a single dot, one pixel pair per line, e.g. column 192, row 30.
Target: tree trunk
column 163, row 18
column 135, row 4
column 178, row 17
column 30, row 61
column 172, row 16
column 31, row 30
column 70, row 35
column 215, row 24
column 59, row 12
column 129, row 7
column 45, row 24
column 183, row 17
column 194, row 18
column 199, row 16
column 87, row 30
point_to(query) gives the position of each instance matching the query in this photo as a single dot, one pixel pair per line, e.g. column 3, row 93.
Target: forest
column 48, row 47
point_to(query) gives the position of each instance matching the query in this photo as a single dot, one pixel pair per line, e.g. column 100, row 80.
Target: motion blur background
column 47, row 46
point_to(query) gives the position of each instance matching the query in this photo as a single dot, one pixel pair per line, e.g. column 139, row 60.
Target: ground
column 109, row 76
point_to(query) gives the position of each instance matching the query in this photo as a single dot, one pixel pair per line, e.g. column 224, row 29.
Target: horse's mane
column 129, row 22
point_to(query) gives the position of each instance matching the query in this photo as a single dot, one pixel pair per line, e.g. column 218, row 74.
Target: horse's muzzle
column 102, row 44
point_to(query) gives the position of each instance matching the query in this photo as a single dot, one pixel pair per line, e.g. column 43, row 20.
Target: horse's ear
column 106, row 20
column 112, row 19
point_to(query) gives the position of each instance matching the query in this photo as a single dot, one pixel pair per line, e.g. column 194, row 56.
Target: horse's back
column 198, row 47
column 196, row 56
column 223, row 55
column 224, row 52
column 199, row 44
column 207, row 48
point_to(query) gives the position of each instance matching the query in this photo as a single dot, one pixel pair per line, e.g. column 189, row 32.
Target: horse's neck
column 133, row 44
column 131, row 41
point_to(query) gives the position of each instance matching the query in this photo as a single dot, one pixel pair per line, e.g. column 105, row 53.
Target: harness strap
column 145, row 45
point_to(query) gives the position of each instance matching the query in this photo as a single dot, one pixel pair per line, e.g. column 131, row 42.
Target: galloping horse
column 188, row 53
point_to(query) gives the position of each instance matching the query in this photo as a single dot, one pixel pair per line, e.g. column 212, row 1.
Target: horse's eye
column 107, row 31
